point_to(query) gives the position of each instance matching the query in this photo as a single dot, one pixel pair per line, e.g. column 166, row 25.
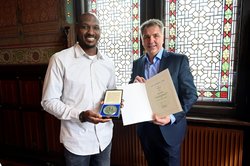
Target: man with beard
column 74, row 85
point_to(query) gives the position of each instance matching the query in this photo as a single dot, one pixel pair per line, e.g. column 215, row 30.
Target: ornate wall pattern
column 27, row 55
column 120, row 38
column 30, row 31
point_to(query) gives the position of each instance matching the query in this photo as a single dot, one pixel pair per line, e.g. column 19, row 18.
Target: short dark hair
column 152, row 22
column 85, row 14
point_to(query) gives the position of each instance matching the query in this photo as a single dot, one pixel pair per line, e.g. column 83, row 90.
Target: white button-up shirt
column 75, row 83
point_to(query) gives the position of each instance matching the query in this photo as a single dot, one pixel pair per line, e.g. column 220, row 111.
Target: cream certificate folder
column 157, row 95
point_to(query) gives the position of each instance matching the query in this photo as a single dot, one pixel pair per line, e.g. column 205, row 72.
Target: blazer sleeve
column 137, row 69
column 186, row 91
column 133, row 74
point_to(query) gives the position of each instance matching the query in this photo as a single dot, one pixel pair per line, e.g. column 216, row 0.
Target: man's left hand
column 161, row 120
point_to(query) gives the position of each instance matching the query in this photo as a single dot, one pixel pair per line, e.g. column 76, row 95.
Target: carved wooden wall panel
column 41, row 21
column 8, row 21
column 34, row 136
column 9, row 88
column 30, row 22
column 34, row 11
column 31, row 31
column 11, row 128
column 30, row 90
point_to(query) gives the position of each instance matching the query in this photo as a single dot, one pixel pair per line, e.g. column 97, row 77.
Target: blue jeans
column 100, row 159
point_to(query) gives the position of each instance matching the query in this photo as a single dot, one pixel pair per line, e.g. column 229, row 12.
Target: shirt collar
column 80, row 52
column 158, row 56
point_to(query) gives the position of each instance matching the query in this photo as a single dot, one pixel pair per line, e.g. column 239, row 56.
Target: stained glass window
column 204, row 30
column 120, row 22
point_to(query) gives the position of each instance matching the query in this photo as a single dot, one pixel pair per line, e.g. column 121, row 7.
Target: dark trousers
column 156, row 150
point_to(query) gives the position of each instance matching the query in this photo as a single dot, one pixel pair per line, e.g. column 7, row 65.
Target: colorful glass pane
column 120, row 40
column 204, row 30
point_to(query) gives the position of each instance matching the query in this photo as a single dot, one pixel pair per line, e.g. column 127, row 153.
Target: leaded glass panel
column 120, row 22
column 204, row 30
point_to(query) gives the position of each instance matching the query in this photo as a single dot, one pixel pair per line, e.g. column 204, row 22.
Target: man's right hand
column 139, row 79
column 90, row 116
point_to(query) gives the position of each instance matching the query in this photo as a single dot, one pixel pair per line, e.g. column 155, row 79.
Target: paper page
column 162, row 95
column 113, row 96
column 136, row 107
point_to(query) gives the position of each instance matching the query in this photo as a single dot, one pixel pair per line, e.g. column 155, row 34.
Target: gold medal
column 110, row 110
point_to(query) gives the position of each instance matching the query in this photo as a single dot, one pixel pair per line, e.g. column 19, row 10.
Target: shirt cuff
column 172, row 118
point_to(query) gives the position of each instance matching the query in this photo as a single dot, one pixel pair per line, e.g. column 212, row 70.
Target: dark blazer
column 182, row 77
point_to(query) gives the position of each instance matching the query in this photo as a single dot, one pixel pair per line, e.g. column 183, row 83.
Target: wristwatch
column 82, row 117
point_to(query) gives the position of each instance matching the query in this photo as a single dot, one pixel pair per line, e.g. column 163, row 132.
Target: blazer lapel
column 164, row 61
column 142, row 67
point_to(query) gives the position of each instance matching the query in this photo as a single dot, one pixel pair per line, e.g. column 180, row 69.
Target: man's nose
column 91, row 30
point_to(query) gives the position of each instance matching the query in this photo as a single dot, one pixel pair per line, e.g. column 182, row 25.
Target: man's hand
column 139, row 79
column 161, row 120
column 92, row 117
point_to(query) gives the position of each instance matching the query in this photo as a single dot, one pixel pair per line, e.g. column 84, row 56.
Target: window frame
column 240, row 99
column 215, row 109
